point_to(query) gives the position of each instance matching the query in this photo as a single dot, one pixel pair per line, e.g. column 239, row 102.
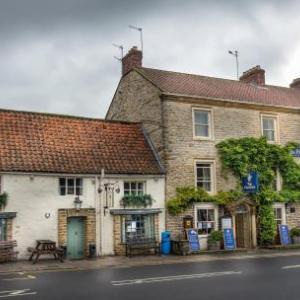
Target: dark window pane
column 70, row 183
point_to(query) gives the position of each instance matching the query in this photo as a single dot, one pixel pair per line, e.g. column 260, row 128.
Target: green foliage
column 137, row 200
column 267, row 224
column 185, row 197
column 295, row 231
column 215, row 236
column 3, row 200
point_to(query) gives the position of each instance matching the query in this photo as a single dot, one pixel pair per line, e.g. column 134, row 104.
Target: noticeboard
column 229, row 242
column 193, row 238
column 284, row 235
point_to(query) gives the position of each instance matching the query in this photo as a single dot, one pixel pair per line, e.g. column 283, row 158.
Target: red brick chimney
column 132, row 60
column 295, row 83
column 254, row 75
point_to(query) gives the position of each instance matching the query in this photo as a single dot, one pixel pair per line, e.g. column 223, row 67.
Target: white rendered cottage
column 65, row 177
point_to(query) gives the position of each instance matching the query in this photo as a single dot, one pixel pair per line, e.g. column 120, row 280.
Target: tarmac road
column 260, row 279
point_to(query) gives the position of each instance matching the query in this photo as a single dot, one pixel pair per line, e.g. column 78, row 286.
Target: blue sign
column 284, row 235
column 250, row 182
column 193, row 239
column 229, row 242
column 295, row 152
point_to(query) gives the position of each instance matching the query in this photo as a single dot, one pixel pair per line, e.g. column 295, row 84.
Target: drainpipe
column 97, row 211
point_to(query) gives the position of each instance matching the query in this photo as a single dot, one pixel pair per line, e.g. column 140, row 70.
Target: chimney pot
column 254, row 75
column 295, row 83
column 133, row 59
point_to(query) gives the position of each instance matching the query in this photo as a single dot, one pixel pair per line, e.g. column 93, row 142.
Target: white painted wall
column 31, row 197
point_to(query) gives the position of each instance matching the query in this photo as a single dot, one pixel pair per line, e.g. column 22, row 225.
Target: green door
column 76, row 237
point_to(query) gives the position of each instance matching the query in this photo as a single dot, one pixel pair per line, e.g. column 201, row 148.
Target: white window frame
column 134, row 181
column 276, row 126
column 206, row 206
column 212, row 174
column 66, row 186
column 283, row 212
column 278, row 180
column 210, row 123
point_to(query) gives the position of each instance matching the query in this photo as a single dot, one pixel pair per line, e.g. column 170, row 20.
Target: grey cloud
column 57, row 56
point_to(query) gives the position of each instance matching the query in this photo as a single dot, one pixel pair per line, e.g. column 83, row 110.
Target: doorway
column 243, row 227
column 76, row 237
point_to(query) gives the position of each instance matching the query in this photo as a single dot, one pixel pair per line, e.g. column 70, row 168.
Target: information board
column 192, row 235
column 229, row 242
column 284, row 235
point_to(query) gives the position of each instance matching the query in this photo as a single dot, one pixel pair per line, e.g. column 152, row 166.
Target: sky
column 57, row 56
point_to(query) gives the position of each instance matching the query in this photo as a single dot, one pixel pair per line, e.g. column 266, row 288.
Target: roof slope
column 36, row 142
column 217, row 88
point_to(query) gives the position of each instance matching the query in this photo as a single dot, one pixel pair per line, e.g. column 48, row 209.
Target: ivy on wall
column 239, row 157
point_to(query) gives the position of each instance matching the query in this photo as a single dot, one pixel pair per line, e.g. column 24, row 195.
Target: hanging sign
column 284, row 235
column 229, row 242
column 295, row 152
column 193, row 238
column 250, row 182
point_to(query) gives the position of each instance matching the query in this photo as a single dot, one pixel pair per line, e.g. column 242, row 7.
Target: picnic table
column 46, row 247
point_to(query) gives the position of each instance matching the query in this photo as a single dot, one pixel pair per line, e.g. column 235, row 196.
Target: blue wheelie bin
column 166, row 242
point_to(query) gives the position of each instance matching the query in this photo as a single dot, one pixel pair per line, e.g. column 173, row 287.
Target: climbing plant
column 239, row 157
column 3, row 200
column 136, row 200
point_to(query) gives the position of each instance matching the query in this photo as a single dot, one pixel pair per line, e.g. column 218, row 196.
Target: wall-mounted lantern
column 77, row 203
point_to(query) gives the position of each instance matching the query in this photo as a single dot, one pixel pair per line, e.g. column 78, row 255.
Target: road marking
column 172, row 278
column 28, row 277
column 290, row 267
column 16, row 293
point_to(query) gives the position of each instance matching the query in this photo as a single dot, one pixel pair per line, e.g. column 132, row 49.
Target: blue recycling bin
column 166, row 242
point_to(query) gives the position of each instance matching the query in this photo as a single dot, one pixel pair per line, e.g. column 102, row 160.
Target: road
column 247, row 279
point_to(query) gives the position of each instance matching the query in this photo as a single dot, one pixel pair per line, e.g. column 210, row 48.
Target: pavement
column 127, row 262
column 246, row 276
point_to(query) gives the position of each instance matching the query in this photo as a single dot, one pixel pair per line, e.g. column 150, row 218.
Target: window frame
column 141, row 216
column 66, row 186
column 212, row 174
column 210, row 136
column 206, row 206
column 3, row 225
column 281, row 206
column 276, row 126
column 130, row 182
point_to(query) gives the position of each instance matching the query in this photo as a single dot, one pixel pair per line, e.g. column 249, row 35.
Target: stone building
column 186, row 115
column 65, row 177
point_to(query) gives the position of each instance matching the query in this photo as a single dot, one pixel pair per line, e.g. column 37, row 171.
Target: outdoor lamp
column 77, row 203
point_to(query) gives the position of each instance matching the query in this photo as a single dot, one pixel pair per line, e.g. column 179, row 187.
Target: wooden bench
column 141, row 244
column 7, row 252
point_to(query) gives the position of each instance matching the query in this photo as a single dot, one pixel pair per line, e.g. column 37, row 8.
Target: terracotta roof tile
column 217, row 88
column 37, row 142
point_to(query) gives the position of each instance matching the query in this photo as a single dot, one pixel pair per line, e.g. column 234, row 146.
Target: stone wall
column 90, row 225
column 293, row 218
column 9, row 229
column 137, row 100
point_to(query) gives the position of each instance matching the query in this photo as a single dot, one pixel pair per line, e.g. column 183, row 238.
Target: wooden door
column 243, row 230
column 76, row 237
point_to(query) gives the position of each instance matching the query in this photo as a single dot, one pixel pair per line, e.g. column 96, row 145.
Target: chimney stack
column 133, row 59
column 254, row 75
column 295, row 83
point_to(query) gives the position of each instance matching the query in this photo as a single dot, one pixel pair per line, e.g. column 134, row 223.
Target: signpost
column 229, row 242
column 250, row 182
column 284, row 235
column 192, row 235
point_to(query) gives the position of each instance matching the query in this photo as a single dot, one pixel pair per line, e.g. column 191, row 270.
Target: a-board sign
column 193, row 238
column 284, row 235
column 229, row 242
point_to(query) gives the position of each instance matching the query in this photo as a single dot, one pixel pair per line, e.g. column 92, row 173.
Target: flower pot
column 296, row 239
column 214, row 245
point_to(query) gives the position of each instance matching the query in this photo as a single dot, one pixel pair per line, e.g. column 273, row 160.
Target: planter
column 296, row 239
column 214, row 245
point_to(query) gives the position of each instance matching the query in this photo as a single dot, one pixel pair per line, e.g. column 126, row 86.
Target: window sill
column 199, row 138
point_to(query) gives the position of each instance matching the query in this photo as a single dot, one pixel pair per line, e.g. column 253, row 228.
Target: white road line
column 172, row 278
column 16, row 293
column 28, row 277
column 290, row 267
